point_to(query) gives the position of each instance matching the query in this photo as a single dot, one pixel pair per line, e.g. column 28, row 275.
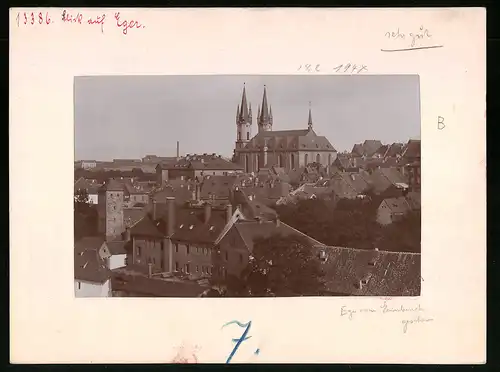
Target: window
column 79, row 285
column 187, row 249
column 227, row 256
column 176, row 266
column 239, row 136
column 318, row 158
column 176, row 248
column 248, row 136
column 187, row 268
column 138, row 251
column 197, row 268
column 214, row 173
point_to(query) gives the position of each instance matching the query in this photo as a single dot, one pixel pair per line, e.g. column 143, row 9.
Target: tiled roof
column 394, row 149
column 117, row 247
column 146, row 227
column 302, row 139
column 217, row 186
column 133, row 215
column 370, row 147
column 250, row 230
column 190, row 224
column 113, row 185
column 181, row 193
column 381, row 273
column 88, row 265
column 397, row 205
column 249, row 207
column 91, row 186
column 383, row 178
column 412, row 149
column 414, row 200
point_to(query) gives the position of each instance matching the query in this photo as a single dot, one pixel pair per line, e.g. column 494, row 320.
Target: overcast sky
column 134, row 116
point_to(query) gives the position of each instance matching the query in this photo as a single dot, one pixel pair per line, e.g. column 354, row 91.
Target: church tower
column 265, row 115
column 243, row 121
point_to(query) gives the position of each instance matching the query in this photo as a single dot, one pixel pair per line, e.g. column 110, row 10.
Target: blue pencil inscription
column 238, row 340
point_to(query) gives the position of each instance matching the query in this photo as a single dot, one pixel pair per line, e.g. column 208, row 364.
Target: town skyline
column 136, row 115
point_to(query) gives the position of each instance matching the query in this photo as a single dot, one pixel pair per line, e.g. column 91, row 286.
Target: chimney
column 171, row 215
column 177, row 149
column 198, row 187
column 229, row 212
column 277, row 222
column 154, row 210
column 208, row 212
column 126, row 235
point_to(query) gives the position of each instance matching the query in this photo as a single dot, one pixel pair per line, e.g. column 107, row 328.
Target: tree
column 403, row 235
column 283, row 266
column 85, row 215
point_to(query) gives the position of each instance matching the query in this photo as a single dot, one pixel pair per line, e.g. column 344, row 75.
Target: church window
column 239, row 136
column 305, row 159
column 248, row 136
column 318, row 158
column 292, row 160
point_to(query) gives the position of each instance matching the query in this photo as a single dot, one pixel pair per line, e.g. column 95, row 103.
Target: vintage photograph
column 247, row 186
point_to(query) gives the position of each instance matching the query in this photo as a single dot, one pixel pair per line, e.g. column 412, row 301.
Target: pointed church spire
column 250, row 109
column 265, row 111
column 310, row 121
column 244, row 106
column 258, row 112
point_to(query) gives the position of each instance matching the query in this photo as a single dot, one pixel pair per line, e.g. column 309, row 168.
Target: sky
column 133, row 116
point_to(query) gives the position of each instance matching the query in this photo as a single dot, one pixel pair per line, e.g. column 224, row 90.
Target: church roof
column 296, row 139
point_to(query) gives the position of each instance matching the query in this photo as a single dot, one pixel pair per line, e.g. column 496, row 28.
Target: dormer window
column 191, row 227
column 181, row 226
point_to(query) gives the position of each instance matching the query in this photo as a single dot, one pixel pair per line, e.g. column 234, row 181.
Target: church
column 289, row 149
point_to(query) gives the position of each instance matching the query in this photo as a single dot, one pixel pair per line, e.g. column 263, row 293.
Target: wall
column 93, row 199
column 312, row 155
column 233, row 256
column 87, row 289
column 147, row 251
column 384, row 214
column 116, row 261
column 199, row 258
column 139, row 198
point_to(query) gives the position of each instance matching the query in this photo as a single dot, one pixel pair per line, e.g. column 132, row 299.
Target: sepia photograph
column 247, row 186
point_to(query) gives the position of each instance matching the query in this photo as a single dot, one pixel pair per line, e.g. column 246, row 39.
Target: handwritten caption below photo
column 44, row 19
column 412, row 315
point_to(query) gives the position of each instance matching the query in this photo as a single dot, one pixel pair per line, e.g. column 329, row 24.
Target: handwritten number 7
column 238, row 340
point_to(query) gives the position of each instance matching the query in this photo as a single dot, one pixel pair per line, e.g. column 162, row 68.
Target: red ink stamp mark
column 186, row 354
column 126, row 25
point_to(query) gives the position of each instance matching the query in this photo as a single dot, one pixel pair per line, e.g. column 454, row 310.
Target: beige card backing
column 48, row 325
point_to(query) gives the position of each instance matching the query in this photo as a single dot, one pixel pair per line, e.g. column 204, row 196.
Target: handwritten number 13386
column 32, row 18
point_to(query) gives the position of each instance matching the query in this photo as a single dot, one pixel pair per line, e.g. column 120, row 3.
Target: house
column 357, row 272
column 135, row 193
column 393, row 209
column 92, row 275
column 387, row 180
column 196, row 166
column 236, row 245
column 91, row 187
column 179, row 238
column 268, row 193
column 117, row 253
column 368, row 148
column 217, row 188
column 250, row 207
